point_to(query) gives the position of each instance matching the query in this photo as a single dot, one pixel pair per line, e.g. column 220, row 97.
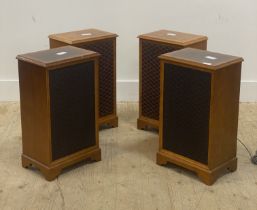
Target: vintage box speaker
column 59, row 101
column 151, row 46
column 199, row 111
column 105, row 44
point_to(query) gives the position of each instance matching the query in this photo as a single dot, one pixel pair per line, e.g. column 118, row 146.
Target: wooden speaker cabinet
column 105, row 44
column 151, row 46
column 59, row 101
column 199, row 111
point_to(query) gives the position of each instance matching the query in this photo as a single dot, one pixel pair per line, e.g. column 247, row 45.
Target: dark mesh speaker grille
column 72, row 107
column 186, row 112
column 106, row 74
column 151, row 77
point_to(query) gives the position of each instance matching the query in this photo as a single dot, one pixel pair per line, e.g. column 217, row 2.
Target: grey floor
column 127, row 177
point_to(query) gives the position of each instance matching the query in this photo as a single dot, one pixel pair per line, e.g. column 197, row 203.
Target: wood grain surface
column 82, row 36
column 201, row 58
column 53, row 58
column 173, row 37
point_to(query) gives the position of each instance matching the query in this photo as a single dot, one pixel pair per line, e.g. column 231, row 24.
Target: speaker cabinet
column 151, row 46
column 199, row 111
column 105, row 44
column 59, row 101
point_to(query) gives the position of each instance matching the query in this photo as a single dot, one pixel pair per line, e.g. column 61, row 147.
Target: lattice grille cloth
column 151, row 77
column 186, row 111
column 106, row 74
column 72, row 110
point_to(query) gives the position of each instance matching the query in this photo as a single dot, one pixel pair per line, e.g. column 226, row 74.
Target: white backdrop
column 231, row 26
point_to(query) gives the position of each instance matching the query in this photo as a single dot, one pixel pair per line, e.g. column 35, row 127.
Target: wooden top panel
column 82, row 36
column 57, row 56
column 173, row 37
column 201, row 58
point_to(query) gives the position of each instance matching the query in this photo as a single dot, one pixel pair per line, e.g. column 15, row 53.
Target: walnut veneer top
column 201, row 58
column 173, row 37
column 82, row 36
column 57, row 56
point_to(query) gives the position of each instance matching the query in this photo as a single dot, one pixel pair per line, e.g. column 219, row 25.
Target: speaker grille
column 186, row 112
column 151, row 77
column 72, row 105
column 106, row 75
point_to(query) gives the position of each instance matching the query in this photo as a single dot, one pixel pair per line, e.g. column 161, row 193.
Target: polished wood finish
column 93, row 37
column 34, row 69
column 176, row 38
column 202, row 59
column 57, row 58
column 172, row 40
column 81, row 36
column 225, row 73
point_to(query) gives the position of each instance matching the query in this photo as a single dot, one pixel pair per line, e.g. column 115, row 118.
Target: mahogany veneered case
column 59, row 108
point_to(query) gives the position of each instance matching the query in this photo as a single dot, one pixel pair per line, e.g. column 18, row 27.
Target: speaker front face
column 106, row 75
column 72, row 106
column 186, row 112
column 150, row 77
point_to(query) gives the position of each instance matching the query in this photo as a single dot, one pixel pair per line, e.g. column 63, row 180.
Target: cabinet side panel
column 54, row 43
column 224, row 115
column 200, row 45
column 34, row 112
column 186, row 108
